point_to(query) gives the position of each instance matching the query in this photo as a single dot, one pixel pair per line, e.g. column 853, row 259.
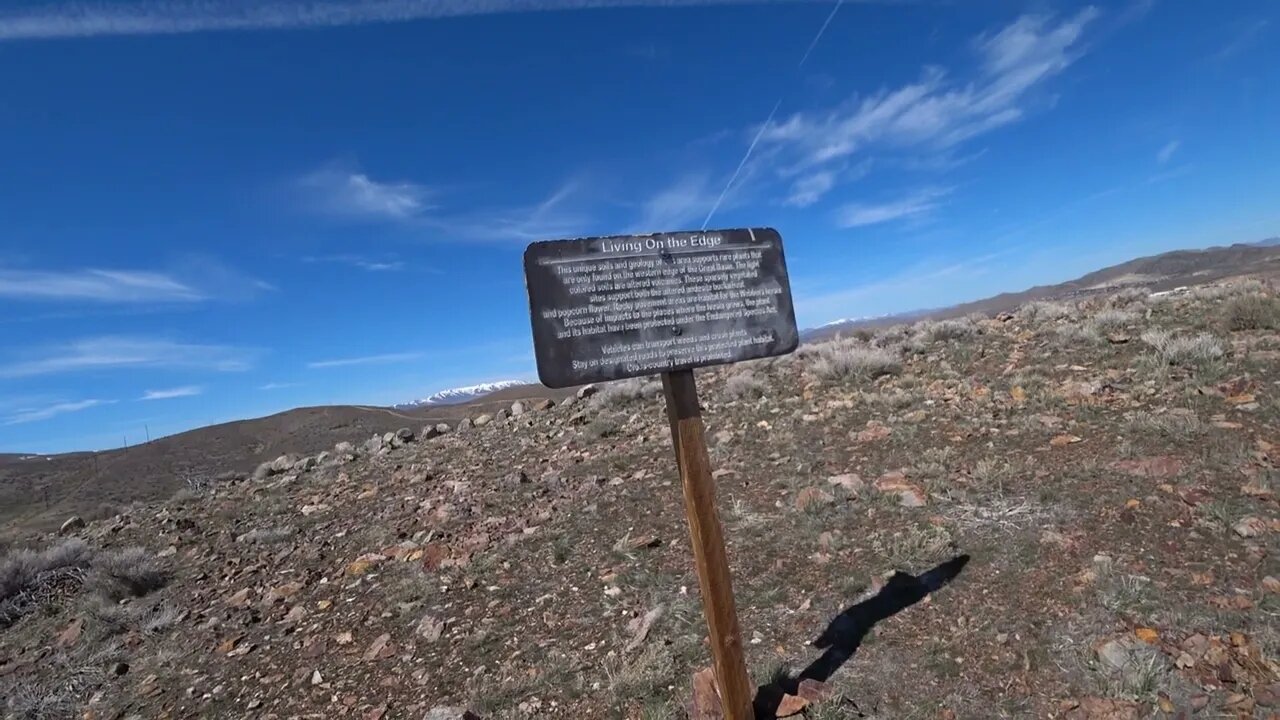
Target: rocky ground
column 1079, row 501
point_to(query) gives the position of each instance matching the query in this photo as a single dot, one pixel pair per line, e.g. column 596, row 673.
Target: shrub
column 1253, row 312
column 1230, row 289
column 21, row 570
column 27, row 576
column 129, row 572
column 948, row 329
column 1111, row 320
column 624, row 392
column 1046, row 310
column 745, row 385
column 1078, row 334
column 1184, row 351
column 854, row 361
column 1129, row 296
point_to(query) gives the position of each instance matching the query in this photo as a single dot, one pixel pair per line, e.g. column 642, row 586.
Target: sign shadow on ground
column 846, row 631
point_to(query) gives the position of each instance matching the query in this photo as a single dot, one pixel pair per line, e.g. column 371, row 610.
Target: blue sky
column 216, row 210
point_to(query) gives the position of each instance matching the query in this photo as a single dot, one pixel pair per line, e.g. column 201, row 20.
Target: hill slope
column 1096, row 481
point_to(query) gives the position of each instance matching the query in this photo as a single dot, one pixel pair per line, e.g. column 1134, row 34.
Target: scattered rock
column 641, row 626
column 1157, row 466
column 344, row 448
column 874, row 431
column 72, row 524
column 405, row 434
column 71, row 634
column 380, row 649
column 1064, row 440
column 517, row 409
column 429, row 628
column 812, row 497
column 282, row 464
column 482, row 420
column 465, row 424
column 1250, row 527
column 851, row 482
column 450, row 713
column 544, row 404
column 586, row 391
column 909, row 495
column 791, row 705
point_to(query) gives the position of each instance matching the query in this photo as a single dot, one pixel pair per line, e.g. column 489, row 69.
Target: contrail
column 90, row 19
column 768, row 121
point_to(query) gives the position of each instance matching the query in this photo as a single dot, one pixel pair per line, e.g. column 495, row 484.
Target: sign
column 617, row 307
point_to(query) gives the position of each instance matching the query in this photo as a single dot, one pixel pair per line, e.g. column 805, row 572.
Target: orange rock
column 791, row 705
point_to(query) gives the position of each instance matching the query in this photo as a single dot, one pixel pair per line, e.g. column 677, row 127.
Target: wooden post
column 707, row 537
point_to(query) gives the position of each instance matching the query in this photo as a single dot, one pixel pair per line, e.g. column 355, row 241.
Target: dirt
column 950, row 554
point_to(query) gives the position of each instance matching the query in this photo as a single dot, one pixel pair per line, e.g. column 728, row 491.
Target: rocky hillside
column 1064, row 512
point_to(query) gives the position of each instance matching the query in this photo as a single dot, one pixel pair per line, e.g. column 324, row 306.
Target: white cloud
column 551, row 218
column 933, row 113
column 88, row 19
column 96, row 285
column 810, row 188
column 51, row 411
column 359, row 261
column 178, row 392
column 109, row 353
column 277, row 385
column 1166, row 152
column 366, row 360
column 918, row 203
column 355, row 194
column 678, row 206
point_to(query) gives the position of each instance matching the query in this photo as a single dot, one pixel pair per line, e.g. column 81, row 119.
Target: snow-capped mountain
column 456, row 396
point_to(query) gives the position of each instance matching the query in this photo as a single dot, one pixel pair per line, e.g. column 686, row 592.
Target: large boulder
column 482, row 420
column 517, row 409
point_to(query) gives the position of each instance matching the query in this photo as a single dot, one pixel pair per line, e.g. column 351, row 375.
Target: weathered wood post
column 707, row 538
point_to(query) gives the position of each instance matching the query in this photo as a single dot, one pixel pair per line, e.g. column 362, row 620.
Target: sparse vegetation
column 851, row 360
column 1253, row 312
column 745, row 385
column 625, row 392
column 1186, row 351
column 130, row 572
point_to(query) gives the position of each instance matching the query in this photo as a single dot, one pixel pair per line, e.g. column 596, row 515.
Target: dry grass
column 943, row 330
column 1185, row 351
column 1043, row 310
column 626, row 392
column 745, row 385
column 852, row 360
column 1253, row 312
column 131, row 572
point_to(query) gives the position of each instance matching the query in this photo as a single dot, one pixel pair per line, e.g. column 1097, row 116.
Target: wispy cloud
column 169, row 17
column 366, row 360
column 1166, row 152
column 934, row 113
column 679, row 205
column 348, row 193
column 1244, row 36
column 169, row 394
column 277, row 385
column 918, row 203
column 362, row 262
column 192, row 279
column 96, row 285
column 50, row 411
column 110, row 353
column 554, row 216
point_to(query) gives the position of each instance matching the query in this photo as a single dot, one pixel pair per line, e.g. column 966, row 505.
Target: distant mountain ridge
column 455, row 396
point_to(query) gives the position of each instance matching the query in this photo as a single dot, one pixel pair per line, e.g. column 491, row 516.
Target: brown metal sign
column 617, row 307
